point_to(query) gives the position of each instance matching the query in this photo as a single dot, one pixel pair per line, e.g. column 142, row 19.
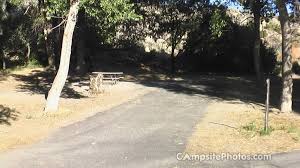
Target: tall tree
column 172, row 20
column 102, row 11
column 287, row 80
column 256, row 10
column 47, row 26
column 260, row 9
column 62, row 74
column 175, row 21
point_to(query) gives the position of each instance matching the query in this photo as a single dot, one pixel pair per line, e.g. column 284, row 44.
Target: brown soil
column 237, row 127
column 22, row 120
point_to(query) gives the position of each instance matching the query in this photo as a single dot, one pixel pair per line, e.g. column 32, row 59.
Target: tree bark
column 173, row 69
column 62, row 74
column 50, row 50
column 28, row 52
column 287, row 80
column 256, row 47
column 3, row 59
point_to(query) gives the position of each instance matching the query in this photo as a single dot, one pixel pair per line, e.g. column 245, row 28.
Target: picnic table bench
column 97, row 80
column 113, row 77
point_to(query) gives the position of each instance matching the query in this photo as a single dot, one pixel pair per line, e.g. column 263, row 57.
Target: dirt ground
column 237, row 127
column 22, row 99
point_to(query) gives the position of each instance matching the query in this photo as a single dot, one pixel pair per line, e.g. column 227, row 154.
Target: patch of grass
column 14, row 69
column 250, row 127
column 254, row 129
column 292, row 129
column 10, row 70
column 33, row 63
column 264, row 132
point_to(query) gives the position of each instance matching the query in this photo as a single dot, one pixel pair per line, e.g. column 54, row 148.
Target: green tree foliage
column 102, row 15
column 226, row 49
column 106, row 15
column 27, row 23
column 217, row 23
column 18, row 33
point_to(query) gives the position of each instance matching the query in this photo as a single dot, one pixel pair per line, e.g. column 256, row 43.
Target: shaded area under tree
column 7, row 115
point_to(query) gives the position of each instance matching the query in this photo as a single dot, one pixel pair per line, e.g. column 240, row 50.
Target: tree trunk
column 61, row 76
column 49, row 49
column 48, row 40
column 256, row 47
column 173, row 70
column 28, row 53
column 3, row 59
column 287, row 80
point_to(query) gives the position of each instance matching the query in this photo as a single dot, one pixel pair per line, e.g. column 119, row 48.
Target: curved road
column 144, row 133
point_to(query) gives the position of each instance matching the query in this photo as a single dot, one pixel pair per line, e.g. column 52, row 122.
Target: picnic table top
column 108, row 73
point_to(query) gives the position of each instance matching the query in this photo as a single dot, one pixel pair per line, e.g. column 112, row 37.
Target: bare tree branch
column 61, row 23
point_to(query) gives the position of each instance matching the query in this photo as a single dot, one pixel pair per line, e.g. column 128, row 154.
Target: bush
column 33, row 63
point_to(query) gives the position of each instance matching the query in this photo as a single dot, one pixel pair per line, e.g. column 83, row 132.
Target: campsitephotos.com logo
column 222, row 157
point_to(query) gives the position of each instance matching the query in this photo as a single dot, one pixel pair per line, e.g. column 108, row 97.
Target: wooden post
column 267, row 105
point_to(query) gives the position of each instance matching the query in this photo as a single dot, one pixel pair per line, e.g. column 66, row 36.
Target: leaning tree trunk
column 61, row 76
column 257, row 41
column 287, row 80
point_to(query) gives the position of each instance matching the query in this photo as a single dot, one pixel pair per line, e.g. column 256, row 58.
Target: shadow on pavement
column 221, row 87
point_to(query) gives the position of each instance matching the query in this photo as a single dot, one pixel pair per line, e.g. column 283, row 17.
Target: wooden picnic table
column 97, row 79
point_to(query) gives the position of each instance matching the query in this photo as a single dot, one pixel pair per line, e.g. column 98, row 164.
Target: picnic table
column 98, row 79
column 112, row 77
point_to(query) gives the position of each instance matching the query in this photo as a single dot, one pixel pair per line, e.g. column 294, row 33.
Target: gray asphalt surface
column 144, row 133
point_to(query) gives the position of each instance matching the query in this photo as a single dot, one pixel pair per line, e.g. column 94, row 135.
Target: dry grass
column 236, row 127
column 25, row 123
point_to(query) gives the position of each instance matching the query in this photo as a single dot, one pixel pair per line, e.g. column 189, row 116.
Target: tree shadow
column 39, row 82
column 216, row 87
column 3, row 75
column 7, row 115
column 223, row 88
